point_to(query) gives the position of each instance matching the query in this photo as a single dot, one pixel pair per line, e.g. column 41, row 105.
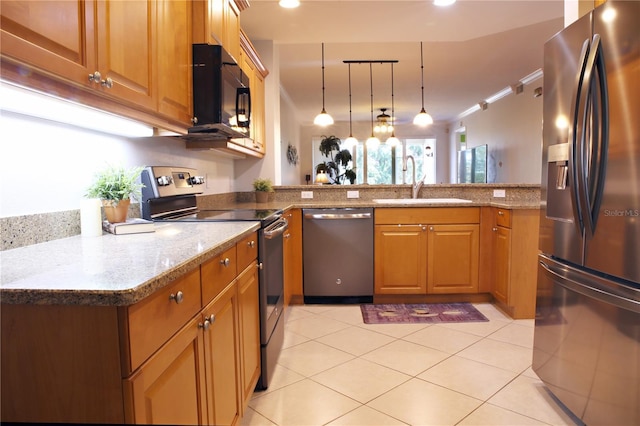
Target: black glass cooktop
column 232, row 215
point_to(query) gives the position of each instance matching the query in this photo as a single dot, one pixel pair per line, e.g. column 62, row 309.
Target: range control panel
column 162, row 181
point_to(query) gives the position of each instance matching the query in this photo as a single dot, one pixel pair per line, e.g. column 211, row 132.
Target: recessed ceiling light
column 289, row 4
column 443, row 2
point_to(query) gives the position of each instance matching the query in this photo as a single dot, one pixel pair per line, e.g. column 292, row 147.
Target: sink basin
column 420, row 200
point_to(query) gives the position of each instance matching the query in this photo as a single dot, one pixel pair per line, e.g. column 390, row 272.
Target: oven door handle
column 276, row 229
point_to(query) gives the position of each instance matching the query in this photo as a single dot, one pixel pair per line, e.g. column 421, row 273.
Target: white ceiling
column 472, row 50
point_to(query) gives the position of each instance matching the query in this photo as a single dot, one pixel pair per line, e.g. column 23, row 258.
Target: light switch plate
column 353, row 194
column 306, row 194
column 499, row 193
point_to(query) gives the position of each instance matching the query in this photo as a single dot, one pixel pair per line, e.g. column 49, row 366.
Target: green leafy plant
column 263, row 185
column 116, row 183
column 338, row 167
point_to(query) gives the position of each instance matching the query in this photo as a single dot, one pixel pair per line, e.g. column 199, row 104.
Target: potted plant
column 262, row 187
column 115, row 186
column 337, row 168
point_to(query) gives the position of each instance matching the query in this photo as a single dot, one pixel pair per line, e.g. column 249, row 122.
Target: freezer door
column 586, row 344
column 614, row 247
column 561, row 231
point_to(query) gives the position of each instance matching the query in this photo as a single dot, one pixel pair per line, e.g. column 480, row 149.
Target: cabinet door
column 170, row 388
column 400, row 259
column 222, row 357
column 126, row 46
column 293, row 256
column 249, row 306
column 502, row 263
column 54, row 36
column 174, row 60
column 453, row 258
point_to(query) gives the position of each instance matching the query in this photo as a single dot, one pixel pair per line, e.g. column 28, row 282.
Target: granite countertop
column 514, row 205
column 112, row 270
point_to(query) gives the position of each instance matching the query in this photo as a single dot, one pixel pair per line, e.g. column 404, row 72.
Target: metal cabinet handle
column 251, row 244
column 287, row 235
column 178, row 297
column 260, row 266
column 95, row 77
column 212, row 318
column 424, row 228
column 204, row 325
column 225, row 262
column 108, row 83
column 494, row 229
column 431, row 228
column 500, row 213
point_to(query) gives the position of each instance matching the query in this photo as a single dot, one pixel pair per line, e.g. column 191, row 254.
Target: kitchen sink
column 420, row 201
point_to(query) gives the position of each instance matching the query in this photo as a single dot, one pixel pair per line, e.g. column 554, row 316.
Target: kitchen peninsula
column 89, row 332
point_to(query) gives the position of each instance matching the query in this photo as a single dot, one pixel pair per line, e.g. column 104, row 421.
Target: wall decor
column 292, row 155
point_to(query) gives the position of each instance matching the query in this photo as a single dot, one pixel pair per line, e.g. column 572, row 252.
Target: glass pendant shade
column 423, row 119
column 323, row 119
column 393, row 141
column 350, row 142
column 373, row 142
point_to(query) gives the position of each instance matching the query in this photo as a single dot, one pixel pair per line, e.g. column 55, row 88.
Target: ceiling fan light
column 289, row 4
column 323, row 119
column 423, row 119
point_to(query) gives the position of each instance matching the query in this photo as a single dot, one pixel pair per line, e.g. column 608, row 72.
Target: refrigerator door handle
column 590, row 285
column 577, row 139
column 598, row 148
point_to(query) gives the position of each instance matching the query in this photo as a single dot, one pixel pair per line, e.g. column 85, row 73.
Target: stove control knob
column 164, row 180
column 196, row 180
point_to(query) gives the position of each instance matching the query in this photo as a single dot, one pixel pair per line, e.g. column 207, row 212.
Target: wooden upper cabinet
column 174, row 75
column 126, row 37
column 218, row 22
column 128, row 57
column 55, row 36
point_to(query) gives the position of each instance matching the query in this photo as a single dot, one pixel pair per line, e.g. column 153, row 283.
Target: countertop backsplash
column 20, row 231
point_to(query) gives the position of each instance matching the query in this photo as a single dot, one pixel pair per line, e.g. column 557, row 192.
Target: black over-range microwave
column 221, row 96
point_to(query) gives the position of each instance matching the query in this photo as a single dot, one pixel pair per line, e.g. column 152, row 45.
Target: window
column 384, row 163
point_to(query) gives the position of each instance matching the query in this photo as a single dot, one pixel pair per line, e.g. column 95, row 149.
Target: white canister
column 91, row 217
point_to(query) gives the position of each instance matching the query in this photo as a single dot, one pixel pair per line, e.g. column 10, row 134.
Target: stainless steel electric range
column 170, row 195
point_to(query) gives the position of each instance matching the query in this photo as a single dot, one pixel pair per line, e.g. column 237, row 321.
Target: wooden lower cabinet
column 514, row 260
column 427, row 251
column 222, row 357
column 400, row 259
column 249, row 314
column 170, row 387
column 164, row 360
column 453, row 252
column 292, row 246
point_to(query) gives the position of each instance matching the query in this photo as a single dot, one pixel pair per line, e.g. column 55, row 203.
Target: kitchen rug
column 420, row 313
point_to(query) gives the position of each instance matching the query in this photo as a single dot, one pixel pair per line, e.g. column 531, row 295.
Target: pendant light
column 350, row 141
column 422, row 119
column 323, row 119
column 392, row 141
column 372, row 142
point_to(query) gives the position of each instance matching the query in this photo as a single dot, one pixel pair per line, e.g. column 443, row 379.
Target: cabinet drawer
column 218, row 273
column 503, row 218
column 247, row 251
column 427, row 215
column 154, row 320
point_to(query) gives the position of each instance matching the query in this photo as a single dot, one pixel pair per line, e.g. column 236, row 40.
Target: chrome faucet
column 415, row 186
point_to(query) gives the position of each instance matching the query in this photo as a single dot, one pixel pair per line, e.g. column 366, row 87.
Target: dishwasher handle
column 334, row 216
column 276, row 229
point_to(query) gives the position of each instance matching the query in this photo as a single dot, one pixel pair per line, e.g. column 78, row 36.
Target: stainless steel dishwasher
column 338, row 255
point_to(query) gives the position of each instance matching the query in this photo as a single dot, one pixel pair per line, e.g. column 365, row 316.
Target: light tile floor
column 336, row 370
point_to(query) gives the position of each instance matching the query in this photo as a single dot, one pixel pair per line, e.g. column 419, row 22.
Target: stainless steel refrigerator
column 587, row 327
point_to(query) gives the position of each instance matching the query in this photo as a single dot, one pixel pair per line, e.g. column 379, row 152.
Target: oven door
column 270, row 256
